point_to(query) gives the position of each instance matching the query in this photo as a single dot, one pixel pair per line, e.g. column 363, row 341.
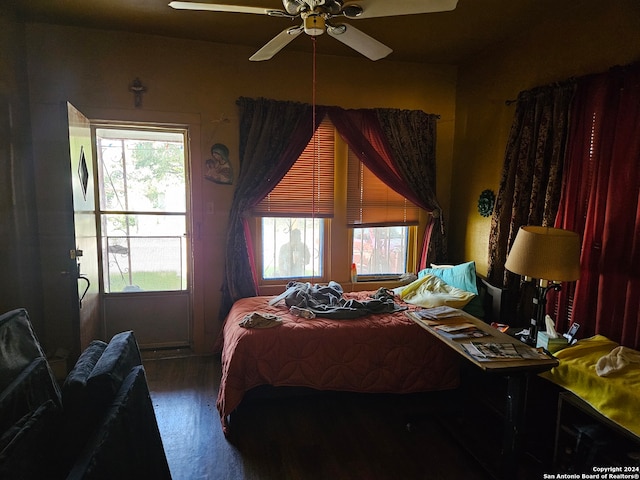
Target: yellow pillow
column 431, row 291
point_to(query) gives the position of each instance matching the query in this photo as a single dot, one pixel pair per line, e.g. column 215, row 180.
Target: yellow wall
column 578, row 38
column 197, row 83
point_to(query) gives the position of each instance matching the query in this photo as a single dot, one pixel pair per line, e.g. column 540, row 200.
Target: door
column 143, row 222
column 83, row 259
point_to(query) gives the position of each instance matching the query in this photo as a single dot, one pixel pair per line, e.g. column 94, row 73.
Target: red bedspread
column 377, row 353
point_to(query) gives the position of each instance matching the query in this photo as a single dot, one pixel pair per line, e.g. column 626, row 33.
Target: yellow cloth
column 431, row 291
column 617, row 396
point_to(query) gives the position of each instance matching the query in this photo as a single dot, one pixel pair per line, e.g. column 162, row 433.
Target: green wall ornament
column 485, row 203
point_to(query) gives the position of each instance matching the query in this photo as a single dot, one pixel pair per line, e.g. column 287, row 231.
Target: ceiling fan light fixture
column 314, row 24
column 279, row 14
column 295, row 30
column 336, row 29
column 294, row 7
column 352, row 11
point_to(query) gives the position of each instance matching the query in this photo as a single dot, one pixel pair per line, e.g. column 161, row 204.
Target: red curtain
column 600, row 202
column 412, row 177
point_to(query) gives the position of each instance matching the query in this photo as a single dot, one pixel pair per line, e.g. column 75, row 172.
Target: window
column 380, row 251
column 292, row 247
column 374, row 221
column 293, row 226
column 142, row 209
column 380, row 218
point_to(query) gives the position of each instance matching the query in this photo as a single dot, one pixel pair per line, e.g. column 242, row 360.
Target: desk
column 516, row 372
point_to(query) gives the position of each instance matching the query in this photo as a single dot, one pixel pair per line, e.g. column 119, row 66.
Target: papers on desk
column 433, row 316
column 461, row 330
column 502, row 351
column 437, row 319
column 438, row 313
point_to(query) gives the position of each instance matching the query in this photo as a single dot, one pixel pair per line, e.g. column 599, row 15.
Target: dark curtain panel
column 412, row 137
column 532, row 173
column 363, row 131
column 273, row 134
column 600, row 201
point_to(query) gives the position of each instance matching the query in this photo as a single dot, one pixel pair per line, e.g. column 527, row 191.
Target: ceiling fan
column 317, row 17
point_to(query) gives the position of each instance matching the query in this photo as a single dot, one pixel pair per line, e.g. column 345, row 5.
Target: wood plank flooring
column 320, row 436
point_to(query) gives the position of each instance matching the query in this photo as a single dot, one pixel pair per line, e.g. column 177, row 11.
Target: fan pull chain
column 315, row 144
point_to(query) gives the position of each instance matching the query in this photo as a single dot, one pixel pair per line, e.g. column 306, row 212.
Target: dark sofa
column 99, row 425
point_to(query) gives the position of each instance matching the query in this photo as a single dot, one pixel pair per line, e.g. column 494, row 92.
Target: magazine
column 437, row 313
column 503, row 351
column 462, row 334
column 492, row 351
column 460, row 330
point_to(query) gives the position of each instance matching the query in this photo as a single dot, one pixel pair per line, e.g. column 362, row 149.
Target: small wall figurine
column 218, row 168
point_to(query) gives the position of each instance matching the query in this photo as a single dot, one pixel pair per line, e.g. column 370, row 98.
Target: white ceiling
column 447, row 37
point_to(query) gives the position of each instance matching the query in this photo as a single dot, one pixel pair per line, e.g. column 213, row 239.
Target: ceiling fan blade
column 385, row 8
column 359, row 41
column 276, row 44
column 212, row 7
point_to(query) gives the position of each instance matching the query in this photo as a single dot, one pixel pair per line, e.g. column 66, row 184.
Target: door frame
column 199, row 341
column 124, row 310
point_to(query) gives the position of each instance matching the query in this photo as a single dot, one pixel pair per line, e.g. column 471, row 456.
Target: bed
column 374, row 353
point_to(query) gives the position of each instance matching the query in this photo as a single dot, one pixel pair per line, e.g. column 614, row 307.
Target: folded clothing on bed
column 260, row 320
column 617, row 360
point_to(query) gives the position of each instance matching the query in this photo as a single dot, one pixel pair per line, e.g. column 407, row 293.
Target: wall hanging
column 486, row 202
column 218, row 167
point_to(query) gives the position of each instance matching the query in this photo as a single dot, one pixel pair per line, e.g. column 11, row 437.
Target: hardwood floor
column 320, row 436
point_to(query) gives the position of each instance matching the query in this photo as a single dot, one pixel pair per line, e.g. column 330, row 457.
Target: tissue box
column 551, row 344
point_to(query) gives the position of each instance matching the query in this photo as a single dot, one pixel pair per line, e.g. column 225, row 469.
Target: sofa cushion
column 115, row 363
column 30, row 389
column 26, row 451
column 91, row 387
column 129, row 433
column 74, row 387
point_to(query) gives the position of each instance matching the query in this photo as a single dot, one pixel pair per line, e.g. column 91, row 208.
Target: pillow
column 431, row 291
column 461, row 276
column 73, row 389
column 115, row 363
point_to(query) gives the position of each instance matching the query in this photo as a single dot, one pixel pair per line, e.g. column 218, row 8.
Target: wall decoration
column 137, row 88
column 218, row 167
column 485, row 203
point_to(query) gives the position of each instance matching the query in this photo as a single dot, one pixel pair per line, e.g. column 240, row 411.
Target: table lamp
column 549, row 255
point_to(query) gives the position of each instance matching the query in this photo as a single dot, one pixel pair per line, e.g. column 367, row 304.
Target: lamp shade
column 545, row 253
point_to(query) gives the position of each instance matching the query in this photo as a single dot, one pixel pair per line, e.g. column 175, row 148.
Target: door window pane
column 143, row 209
column 144, row 253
